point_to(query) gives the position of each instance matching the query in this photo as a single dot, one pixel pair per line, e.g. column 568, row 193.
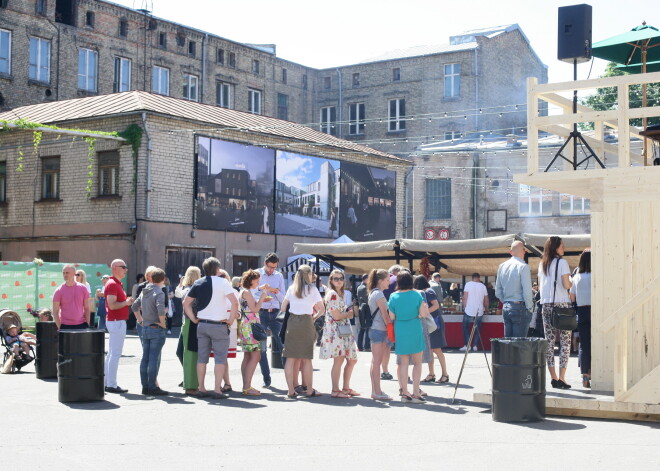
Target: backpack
column 366, row 316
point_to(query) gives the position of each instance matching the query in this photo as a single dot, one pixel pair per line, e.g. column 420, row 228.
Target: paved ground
column 177, row 432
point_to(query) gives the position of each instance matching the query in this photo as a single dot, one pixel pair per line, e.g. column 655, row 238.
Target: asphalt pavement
column 270, row 432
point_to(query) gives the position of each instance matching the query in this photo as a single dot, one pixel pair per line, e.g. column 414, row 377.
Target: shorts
column 379, row 336
column 212, row 337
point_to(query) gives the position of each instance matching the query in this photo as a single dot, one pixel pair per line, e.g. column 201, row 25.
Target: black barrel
column 518, row 379
column 45, row 364
column 80, row 365
column 276, row 359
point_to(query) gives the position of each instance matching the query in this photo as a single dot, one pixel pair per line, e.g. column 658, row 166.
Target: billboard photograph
column 306, row 195
column 235, row 184
column 368, row 202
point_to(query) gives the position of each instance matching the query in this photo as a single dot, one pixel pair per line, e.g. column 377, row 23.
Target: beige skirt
column 300, row 337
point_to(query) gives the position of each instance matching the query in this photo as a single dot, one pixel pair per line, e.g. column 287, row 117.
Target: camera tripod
column 469, row 345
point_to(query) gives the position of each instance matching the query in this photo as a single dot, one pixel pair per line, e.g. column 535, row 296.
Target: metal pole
column 458, row 381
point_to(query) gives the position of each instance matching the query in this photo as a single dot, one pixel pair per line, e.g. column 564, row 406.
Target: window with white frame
column 571, row 205
column 39, row 60
column 190, row 87
column 223, row 94
column 534, row 201
column 5, row 51
column 161, row 80
column 451, row 135
column 329, row 120
column 452, row 80
column 108, row 173
column 122, row 78
column 356, row 116
column 397, row 115
column 254, row 101
column 87, row 63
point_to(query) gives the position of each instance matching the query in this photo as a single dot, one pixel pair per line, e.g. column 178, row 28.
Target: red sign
column 443, row 234
column 429, row 234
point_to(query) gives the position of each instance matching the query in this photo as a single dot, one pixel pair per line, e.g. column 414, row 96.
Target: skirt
column 300, row 337
column 438, row 339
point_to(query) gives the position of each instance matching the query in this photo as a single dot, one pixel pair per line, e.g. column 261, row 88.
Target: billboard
column 235, row 185
column 368, row 202
column 306, row 195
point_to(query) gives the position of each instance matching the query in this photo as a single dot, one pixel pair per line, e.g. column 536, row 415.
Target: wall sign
column 497, row 219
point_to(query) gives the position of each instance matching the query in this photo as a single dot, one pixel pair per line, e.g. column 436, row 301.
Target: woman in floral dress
column 250, row 315
column 332, row 344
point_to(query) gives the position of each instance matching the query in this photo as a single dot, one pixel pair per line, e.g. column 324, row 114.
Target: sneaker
column 418, row 400
column 169, row 332
column 463, row 348
column 474, row 349
column 157, row 392
column 115, row 390
column 267, row 382
column 386, row 376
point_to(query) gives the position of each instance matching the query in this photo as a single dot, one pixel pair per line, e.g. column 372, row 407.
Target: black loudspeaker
column 574, row 33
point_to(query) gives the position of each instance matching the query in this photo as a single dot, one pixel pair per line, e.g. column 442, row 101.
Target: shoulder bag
column 258, row 331
column 344, row 329
column 563, row 318
column 430, row 324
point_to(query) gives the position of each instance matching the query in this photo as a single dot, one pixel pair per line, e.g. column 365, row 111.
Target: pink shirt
column 71, row 299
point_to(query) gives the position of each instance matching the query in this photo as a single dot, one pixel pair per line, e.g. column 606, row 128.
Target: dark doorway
column 177, row 261
column 242, row 263
column 65, row 12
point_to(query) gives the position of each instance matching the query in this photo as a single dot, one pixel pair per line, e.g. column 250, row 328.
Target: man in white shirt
column 475, row 302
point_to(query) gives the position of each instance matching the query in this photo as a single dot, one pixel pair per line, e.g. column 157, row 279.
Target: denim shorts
column 379, row 336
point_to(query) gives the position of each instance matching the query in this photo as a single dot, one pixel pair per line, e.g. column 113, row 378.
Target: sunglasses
column 78, row 274
column 338, row 278
column 122, row 266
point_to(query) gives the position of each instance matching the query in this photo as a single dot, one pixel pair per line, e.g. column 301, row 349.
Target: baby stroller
column 8, row 318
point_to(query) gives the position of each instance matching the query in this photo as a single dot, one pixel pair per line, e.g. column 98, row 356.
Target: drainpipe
column 475, row 174
column 149, row 188
column 203, row 81
column 407, row 199
column 341, row 107
column 476, row 88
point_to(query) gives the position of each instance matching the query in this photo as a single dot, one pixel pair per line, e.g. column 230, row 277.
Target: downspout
column 341, row 107
column 475, row 164
column 476, row 89
column 407, row 198
column 203, row 84
column 148, row 188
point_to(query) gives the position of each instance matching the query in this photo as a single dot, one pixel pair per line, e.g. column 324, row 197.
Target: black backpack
column 366, row 316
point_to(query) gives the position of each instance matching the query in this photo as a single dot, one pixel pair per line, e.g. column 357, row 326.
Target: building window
column 40, row 60
column 5, row 52
column 220, row 56
column 254, row 101
column 327, row 83
column 161, row 80
column 192, row 48
column 50, row 170
column 223, row 92
column 356, row 80
column 533, row 201
column 180, row 39
column 329, row 120
column 3, row 182
column 282, row 106
column 232, row 60
column 571, row 205
column 304, row 81
column 89, row 19
column 108, row 173
column 284, row 76
column 65, row 12
column 162, row 40
column 255, row 67
column 190, row 87
column 397, row 115
column 87, row 60
column 438, row 198
column 396, row 74
column 50, row 256
column 451, row 135
column 356, row 116
column 123, row 28
column 41, row 7
column 452, row 80
column 122, row 79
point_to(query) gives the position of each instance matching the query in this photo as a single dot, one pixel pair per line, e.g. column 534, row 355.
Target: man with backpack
column 364, row 344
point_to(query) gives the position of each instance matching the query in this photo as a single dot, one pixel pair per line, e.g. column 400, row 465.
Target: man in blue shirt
column 514, row 289
column 270, row 309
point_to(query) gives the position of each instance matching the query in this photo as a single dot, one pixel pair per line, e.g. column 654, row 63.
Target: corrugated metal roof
column 126, row 102
column 417, row 51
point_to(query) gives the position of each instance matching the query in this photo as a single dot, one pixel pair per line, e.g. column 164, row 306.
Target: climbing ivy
column 91, row 151
column 133, row 135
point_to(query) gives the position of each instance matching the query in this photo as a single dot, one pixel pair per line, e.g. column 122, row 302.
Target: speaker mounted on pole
column 574, row 33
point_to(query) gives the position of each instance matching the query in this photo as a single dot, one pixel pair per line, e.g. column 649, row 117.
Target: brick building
column 142, row 206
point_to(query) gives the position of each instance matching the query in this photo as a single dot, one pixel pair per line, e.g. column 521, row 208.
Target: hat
column 105, row 276
column 12, row 327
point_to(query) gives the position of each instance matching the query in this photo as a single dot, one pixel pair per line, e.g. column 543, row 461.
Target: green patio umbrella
column 637, row 68
column 639, row 47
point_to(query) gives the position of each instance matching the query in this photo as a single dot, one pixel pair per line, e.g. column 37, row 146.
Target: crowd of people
column 395, row 310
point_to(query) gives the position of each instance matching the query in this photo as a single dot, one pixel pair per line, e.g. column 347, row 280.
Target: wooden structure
column 625, row 235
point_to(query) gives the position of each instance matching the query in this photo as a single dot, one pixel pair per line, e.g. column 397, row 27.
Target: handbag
column 258, row 331
column 430, row 324
column 563, row 318
column 390, row 331
column 344, row 330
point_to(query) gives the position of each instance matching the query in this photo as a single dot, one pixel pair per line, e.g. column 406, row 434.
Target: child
column 17, row 342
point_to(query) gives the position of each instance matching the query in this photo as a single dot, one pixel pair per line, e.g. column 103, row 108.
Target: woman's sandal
column 443, row 379
column 226, row 388
column 350, row 392
column 406, row 398
column 429, row 379
column 292, row 396
column 300, row 389
column 251, row 392
column 314, row 393
column 339, row 395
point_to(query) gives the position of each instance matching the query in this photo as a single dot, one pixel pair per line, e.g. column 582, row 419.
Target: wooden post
column 624, row 125
column 532, row 127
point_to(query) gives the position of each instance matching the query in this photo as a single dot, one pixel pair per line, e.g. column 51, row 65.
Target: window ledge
column 399, row 132
column 106, row 198
column 6, row 77
column 49, row 200
column 451, row 98
column 86, row 93
column 38, row 83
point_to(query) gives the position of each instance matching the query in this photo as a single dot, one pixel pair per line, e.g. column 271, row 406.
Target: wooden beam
column 604, row 82
column 631, row 305
column 532, row 126
column 624, row 125
column 644, row 391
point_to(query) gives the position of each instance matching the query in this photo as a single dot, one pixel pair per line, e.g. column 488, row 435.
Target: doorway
column 242, row 263
column 177, row 261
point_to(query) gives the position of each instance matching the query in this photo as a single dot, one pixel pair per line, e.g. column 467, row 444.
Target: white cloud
column 292, row 168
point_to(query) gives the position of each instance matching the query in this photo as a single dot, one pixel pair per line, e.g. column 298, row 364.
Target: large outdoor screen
column 368, row 202
column 306, row 195
column 235, row 184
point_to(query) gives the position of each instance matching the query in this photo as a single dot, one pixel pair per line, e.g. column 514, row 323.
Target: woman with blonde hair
column 335, row 343
column 304, row 302
column 189, row 334
column 378, row 281
column 81, row 277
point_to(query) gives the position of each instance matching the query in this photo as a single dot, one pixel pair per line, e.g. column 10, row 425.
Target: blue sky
column 299, row 170
column 238, row 156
